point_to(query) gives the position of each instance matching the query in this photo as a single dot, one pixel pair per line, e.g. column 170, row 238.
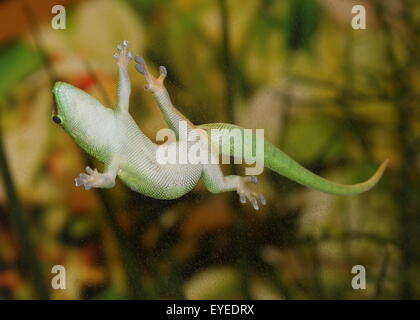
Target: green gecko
column 113, row 137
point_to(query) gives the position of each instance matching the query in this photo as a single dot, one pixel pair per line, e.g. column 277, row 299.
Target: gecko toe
column 262, row 200
column 242, row 198
column 140, row 68
column 88, row 179
column 83, row 177
column 123, row 56
column 254, row 203
column 253, row 179
column 81, row 180
column 163, row 71
column 139, row 59
column 140, row 65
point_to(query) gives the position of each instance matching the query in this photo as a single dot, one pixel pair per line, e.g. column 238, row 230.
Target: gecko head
column 63, row 104
column 66, row 104
column 73, row 107
column 82, row 116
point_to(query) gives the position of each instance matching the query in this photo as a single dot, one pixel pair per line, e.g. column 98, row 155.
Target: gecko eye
column 56, row 119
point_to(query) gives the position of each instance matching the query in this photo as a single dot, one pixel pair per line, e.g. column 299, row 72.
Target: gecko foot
column 245, row 193
column 90, row 180
column 124, row 55
column 153, row 84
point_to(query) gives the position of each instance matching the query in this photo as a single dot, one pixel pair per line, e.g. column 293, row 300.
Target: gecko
column 113, row 137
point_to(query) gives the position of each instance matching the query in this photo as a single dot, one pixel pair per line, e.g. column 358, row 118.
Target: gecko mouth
column 55, row 117
column 55, row 108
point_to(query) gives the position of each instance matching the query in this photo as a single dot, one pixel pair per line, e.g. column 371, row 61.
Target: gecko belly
column 163, row 181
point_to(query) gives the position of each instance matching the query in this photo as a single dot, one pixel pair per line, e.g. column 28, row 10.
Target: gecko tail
column 280, row 162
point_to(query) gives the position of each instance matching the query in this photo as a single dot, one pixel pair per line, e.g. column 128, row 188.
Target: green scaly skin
column 112, row 137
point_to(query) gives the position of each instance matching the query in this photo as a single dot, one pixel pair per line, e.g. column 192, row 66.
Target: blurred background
column 338, row 100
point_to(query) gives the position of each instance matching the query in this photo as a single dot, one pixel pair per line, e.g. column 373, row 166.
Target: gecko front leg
column 156, row 86
column 94, row 179
column 123, row 58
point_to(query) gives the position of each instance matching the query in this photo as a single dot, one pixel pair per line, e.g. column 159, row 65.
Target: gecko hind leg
column 215, row 182
column 153, row 84
column 245, row 192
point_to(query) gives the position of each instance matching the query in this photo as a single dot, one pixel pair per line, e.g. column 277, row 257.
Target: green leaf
column 16, row 61
column 301, row 23
column 307, row 137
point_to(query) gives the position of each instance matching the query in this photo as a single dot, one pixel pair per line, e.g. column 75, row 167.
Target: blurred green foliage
column 16, row 61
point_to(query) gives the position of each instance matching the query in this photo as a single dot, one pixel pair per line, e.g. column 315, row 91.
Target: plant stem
column 30, row 260
column 128, row 257
column 382, row 275
column 227, row 62
column 240, row 223
column 406, row 190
